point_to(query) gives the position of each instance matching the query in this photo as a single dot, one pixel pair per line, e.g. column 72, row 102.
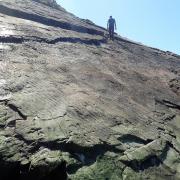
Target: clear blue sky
column 152, row 22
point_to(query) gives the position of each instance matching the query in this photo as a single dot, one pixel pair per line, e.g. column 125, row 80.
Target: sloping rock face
column 51, row 3
column 76, row 106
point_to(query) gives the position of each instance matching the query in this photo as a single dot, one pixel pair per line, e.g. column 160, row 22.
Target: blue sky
column 155, row 23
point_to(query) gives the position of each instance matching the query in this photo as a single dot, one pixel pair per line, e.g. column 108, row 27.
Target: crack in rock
column 47, row 21
column 16, row 109
column 168, row 104
column 20, row 40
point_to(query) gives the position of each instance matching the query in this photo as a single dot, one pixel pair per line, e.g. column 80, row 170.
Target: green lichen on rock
column 154, row 148
column 105, row 168
column 44, row 162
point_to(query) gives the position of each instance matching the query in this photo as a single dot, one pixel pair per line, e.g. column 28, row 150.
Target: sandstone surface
column 74, row 105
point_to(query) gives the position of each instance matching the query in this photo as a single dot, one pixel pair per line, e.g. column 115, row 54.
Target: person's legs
column 110, row 34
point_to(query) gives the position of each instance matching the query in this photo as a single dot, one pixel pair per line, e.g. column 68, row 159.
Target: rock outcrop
column 74, row 105
column 51, row 3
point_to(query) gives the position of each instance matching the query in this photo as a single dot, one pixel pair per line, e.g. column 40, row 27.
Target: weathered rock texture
column 74, row 105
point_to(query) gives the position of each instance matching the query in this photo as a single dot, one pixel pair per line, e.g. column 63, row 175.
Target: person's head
column 110, row 17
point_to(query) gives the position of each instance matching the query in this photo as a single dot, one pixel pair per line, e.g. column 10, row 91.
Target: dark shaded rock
column 175, row 85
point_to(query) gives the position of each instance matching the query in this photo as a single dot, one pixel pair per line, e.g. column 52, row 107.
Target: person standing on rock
column 111, row 24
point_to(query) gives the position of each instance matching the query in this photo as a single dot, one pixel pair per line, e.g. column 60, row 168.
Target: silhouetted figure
column 110, row 26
